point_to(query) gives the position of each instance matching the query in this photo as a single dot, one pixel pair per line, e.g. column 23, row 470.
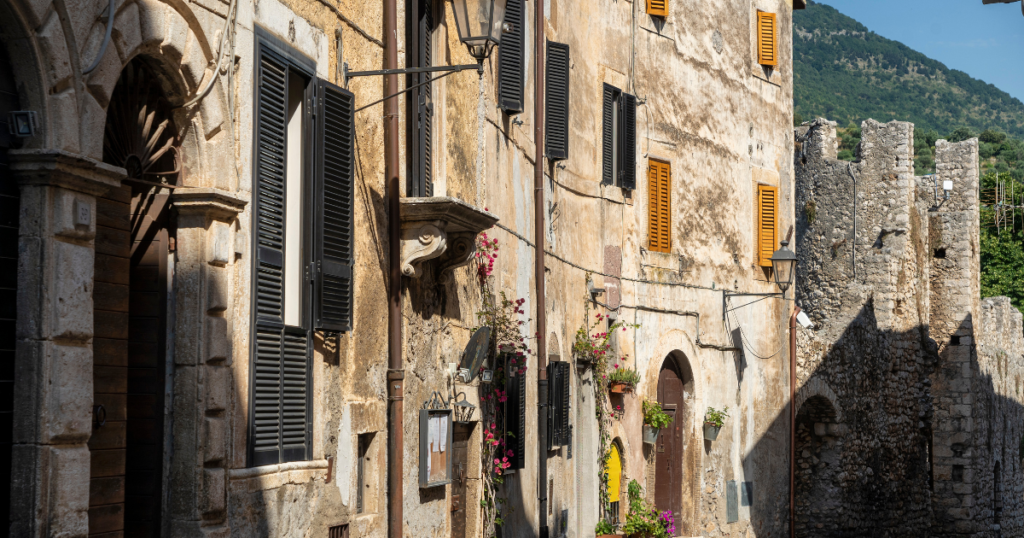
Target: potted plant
column 643, row 519
column 623, row 379
column 654, row 420
column 605, row 529
column 713, row 421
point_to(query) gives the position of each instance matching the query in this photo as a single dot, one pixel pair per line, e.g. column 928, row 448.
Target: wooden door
column 9, row 216
column 669, row 479
column 460, row 474
column 128, row 373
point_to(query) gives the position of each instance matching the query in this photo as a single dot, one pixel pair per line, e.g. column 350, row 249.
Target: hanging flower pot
column 619, row 387
column 713, row 421
column 651, row 434
column 711, row 431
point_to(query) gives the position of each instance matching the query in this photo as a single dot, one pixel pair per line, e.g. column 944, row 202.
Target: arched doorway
column 130, row 302
column 613, row 468
column 818, row 491
column 674, row 466
column 9, row 217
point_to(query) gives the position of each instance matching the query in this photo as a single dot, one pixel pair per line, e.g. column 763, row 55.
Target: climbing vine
column 509, row 350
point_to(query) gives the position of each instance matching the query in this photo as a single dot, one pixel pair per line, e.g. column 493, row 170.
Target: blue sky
column 984, row 41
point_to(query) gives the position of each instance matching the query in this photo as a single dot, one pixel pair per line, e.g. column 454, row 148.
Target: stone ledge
column 441, row 228
column 57, row 168
column 215, row 203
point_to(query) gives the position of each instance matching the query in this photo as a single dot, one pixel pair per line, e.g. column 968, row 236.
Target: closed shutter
column 767, row 223
column 659, row 220
column 421, row 104
column 511, row 52
column 657, row 8
column 295, row 426
column 334, row 170
column 557, row 102
column 608, row 136
column 515, row 418
column 628, row 158
column 767, row 47
column 558, row 404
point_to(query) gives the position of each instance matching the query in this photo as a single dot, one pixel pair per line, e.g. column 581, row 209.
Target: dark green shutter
column 628, row 156
column 421, row 181
column 607, row 136
column 515, row 412
column 265, row 427
column 334, row 164
column 557, row 102
column 511, row 52
column 558, row 404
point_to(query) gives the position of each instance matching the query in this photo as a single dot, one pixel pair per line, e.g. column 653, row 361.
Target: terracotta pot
column 711, row 431
column 619, row 388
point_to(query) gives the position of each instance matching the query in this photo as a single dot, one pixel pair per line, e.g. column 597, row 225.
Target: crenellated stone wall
column 923, row 371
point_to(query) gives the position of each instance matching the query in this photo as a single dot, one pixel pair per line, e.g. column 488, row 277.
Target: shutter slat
column 628, row 157
column 557, row 101
column 333, row 250
column 657, row 8
column 511, row 65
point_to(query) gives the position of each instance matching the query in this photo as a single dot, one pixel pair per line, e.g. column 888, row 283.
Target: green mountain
column 847, row 73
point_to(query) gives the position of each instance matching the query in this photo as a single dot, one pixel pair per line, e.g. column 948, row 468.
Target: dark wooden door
column 128, row 373
column 668, row 484
column 9, row 211
column 460, row 475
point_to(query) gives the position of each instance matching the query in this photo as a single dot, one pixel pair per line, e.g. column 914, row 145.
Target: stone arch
column 23, row 56
column 678, row 345
column 817, row 387
column 679, row 451
column 819, row 440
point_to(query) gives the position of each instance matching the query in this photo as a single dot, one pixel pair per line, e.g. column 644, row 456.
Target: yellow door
column 614, row 469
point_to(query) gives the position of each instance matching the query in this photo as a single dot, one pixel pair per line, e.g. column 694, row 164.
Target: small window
column 659, row 209
column 618, row 138
column 767, row 44
column 657, row 8
column 767, row 223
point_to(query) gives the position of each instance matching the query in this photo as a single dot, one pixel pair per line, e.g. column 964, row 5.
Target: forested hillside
column 846, row 73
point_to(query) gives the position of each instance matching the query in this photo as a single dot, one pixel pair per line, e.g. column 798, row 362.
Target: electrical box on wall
column 435, row 447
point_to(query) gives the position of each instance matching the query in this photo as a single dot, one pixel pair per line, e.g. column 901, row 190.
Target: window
column 618, row 138
column 421, row 101
column 303, row 242
column 657, row 8
column 511, row 56
column 659, row 208
column 556, row 111
column 767, row 46
column 767, row 223
column 558, row 404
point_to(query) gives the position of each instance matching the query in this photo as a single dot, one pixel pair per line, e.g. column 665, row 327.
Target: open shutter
column 334, row 172
column 515, row 417
column 557, row 102
column 423, row 175
column 628, row 155
column 265, row 418
column 607, row 136
column 511, row 52
column 767, row 223
column 657, row 8
column 659, row 219
column 767, row 48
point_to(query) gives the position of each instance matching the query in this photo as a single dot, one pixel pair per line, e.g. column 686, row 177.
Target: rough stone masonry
column 909, row 408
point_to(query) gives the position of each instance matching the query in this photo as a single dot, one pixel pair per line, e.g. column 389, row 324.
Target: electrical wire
column 220, row 55
column 106, row 39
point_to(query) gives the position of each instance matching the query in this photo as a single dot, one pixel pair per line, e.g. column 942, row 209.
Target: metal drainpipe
column 396, row 374
column 792, row 421
column 538, row 272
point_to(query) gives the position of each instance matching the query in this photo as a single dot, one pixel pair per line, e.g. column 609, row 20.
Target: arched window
column 613, row 467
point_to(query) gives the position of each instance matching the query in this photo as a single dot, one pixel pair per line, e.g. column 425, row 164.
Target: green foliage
column 1002, row 251
column 845, row 72
column 621, row 374
column 654, row 416
column 811, row 210
column 643, row 519
column 716, row 417
column 603, row 527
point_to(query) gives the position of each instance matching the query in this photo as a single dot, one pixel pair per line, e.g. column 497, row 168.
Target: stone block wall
column 909, row 402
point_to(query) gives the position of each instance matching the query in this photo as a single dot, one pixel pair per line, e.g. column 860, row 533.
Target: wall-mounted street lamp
column 783, row 268
column 480, row 24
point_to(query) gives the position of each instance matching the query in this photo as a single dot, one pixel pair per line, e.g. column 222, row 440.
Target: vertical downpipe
column 792, row 421
column 538, row 272
column 396, row 374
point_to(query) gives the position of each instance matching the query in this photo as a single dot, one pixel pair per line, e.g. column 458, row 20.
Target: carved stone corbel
column 443, row 229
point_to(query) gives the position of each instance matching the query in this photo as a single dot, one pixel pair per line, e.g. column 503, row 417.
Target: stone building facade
column 909, row 422
column 133, row 356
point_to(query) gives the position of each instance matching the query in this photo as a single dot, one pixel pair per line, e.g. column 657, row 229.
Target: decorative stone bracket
column 440, row 228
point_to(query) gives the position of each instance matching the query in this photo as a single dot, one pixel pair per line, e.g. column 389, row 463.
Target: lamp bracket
column 413, row 70
column 726, row 294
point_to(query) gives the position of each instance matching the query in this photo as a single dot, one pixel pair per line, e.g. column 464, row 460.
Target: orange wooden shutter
column 659, row 221
column 767, row 223
column 657, row 8
column 767, row 48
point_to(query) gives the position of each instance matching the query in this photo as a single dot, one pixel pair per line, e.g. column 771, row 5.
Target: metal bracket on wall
column 446, row 69
column 726, row 294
